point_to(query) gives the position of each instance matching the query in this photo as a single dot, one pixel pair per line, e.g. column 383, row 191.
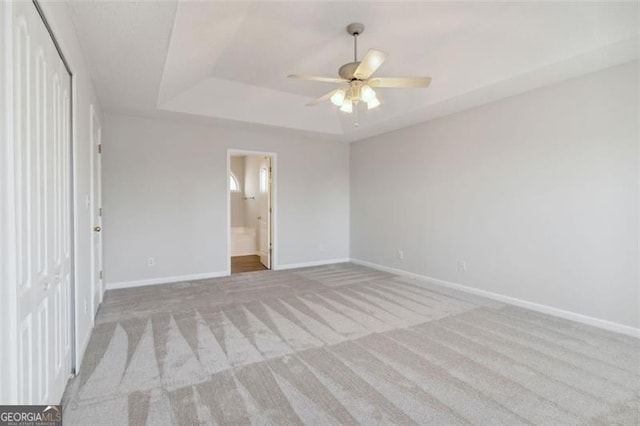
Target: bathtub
column 244, row 241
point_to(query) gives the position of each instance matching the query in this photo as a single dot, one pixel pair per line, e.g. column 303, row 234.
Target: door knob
column 97, row 228
column 259, row 218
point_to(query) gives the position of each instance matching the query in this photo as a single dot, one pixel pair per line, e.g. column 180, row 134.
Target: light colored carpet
column 344, row 344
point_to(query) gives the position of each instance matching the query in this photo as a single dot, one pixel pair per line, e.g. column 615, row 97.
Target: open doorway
column 250, row 195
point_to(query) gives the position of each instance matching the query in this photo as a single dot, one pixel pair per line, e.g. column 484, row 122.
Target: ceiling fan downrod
column 355, row 30
column 355, row 47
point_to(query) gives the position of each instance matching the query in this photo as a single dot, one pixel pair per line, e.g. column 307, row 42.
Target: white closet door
column 43, row 214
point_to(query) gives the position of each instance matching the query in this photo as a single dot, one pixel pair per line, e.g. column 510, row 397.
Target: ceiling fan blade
column 369, row 64
column 400, row 82
column 315, row 78
column 322, row 98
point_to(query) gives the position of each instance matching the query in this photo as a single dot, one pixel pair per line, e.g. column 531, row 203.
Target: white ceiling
column 229, row 60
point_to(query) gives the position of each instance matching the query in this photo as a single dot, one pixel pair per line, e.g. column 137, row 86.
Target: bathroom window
column 234, row 186
column 264, row 180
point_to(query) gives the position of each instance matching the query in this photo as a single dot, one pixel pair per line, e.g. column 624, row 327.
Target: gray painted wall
column 537, row 194
column 165, row 195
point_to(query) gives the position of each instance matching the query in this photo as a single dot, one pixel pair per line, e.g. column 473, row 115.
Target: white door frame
column 9, row 394
column 231, row 152
column 97, row 284
column 8, row 293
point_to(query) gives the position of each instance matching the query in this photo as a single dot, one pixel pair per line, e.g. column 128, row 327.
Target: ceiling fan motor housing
column 346, row 71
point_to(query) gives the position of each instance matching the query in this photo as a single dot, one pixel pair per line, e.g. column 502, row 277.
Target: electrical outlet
column 462, row 266
column 151, row 261
column 401, row 254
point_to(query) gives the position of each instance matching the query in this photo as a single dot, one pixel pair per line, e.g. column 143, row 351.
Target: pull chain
column 355, row 112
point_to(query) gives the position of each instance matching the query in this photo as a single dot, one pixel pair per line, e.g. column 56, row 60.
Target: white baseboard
column 166, row 280
column 584, row 319
column 176, row 279
column 307, row 264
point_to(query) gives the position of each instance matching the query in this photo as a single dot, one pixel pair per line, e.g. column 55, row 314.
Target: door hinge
column 100, row 274
column 269, row 169
column 100, row 211
column 99, row 148
column 270, row 211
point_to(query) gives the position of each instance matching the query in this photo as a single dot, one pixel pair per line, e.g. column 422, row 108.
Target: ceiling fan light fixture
column 338, row 98
column 367, row 94
column 373, row 103
column 347, row 106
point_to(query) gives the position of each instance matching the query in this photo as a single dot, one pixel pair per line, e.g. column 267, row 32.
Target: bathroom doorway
column 251, row 211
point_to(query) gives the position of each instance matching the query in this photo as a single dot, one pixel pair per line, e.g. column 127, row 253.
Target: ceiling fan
column 356, row 81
